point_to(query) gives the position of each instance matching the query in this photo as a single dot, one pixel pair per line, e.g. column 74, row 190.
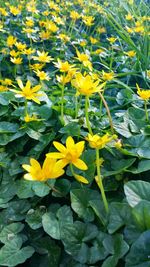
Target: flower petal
column 69, row 142
column 59, row 147
column 81, row 179
column 20, row 83
column 54, row 155
column 80, row 164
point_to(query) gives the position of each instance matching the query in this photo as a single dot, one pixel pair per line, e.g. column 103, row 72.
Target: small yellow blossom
column 14, row 10
column 14, row 53
column 51, row 169
column 43, row 57
column 129, row 17
column 63, row 66
column 112, row 40
column 74, row 15
column 28, row 92
column 20, row 46
column 88, row 20
column 144, row 94
column 98, row 142
column 65, row 38
column 29, row 118
column 16, row 60
column 37, row 66
column 86, row 84
column 42, row 75
column 11, row 40
column 69, row 154
column 93, row 40
column 130, row 53
column 108, row 76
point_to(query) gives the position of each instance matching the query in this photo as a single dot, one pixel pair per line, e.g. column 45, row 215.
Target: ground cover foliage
column 74, row 133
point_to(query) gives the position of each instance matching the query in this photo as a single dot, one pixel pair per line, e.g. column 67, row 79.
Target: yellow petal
column 80, row 146
column 28, row 84
column 20, row 83
column 35, row 164
column 80, row 164
column 26, row 167
column 54, row 155
column 59, row 147
column 69, row 142
column 29, row 177
column 81, row 179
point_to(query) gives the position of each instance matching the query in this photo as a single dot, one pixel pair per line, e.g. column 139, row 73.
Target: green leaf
column 120, row 214
column 136, row 191
column 54, row 223
column 143, row 166
column 34, row 218
column 141, row 213
column 111, row 261
column 24, row 189
column 80, row 202
column 139, row 255
column 40, row 189
column 12, row 254
column 71, row 129
column 7, row 127
column 75, row 236
column 9, row 231
column 115, row 245
column 49, row 253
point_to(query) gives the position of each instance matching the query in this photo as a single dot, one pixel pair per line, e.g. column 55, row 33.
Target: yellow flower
column 63, row 66
column 28, row 92
column 93, row 40
column 14, row 10
column 107, row 76
column 101, row 30
column 13, row 53
column 129, row 17
column 29, row 22
column 144, row 94
column 84, row 58
column 86, row 84
column 112, row 39
column 64, row 37
column 130, row 53
column 99, row 51
column 28, row 51
column 16, row 60
column 69, row 154
column 43, row 57
column 83, row 43
column 3, row 88
column 99, row 142
column 74, row 15
column 29, row 118
column 11, row 40
column 37, row 66
column 44, row 35
column 51, row 169
column 42, row 75
column 88, row 20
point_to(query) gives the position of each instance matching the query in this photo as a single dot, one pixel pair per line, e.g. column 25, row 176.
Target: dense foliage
column 75, row 133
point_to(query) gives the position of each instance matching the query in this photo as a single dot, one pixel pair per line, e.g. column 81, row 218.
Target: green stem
column 62, row 104
column 100, row 183
column 87, row 116
column 53, row 188
column 72, row 170
column 146, row 111
column 26, row 107
column 108, row 112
